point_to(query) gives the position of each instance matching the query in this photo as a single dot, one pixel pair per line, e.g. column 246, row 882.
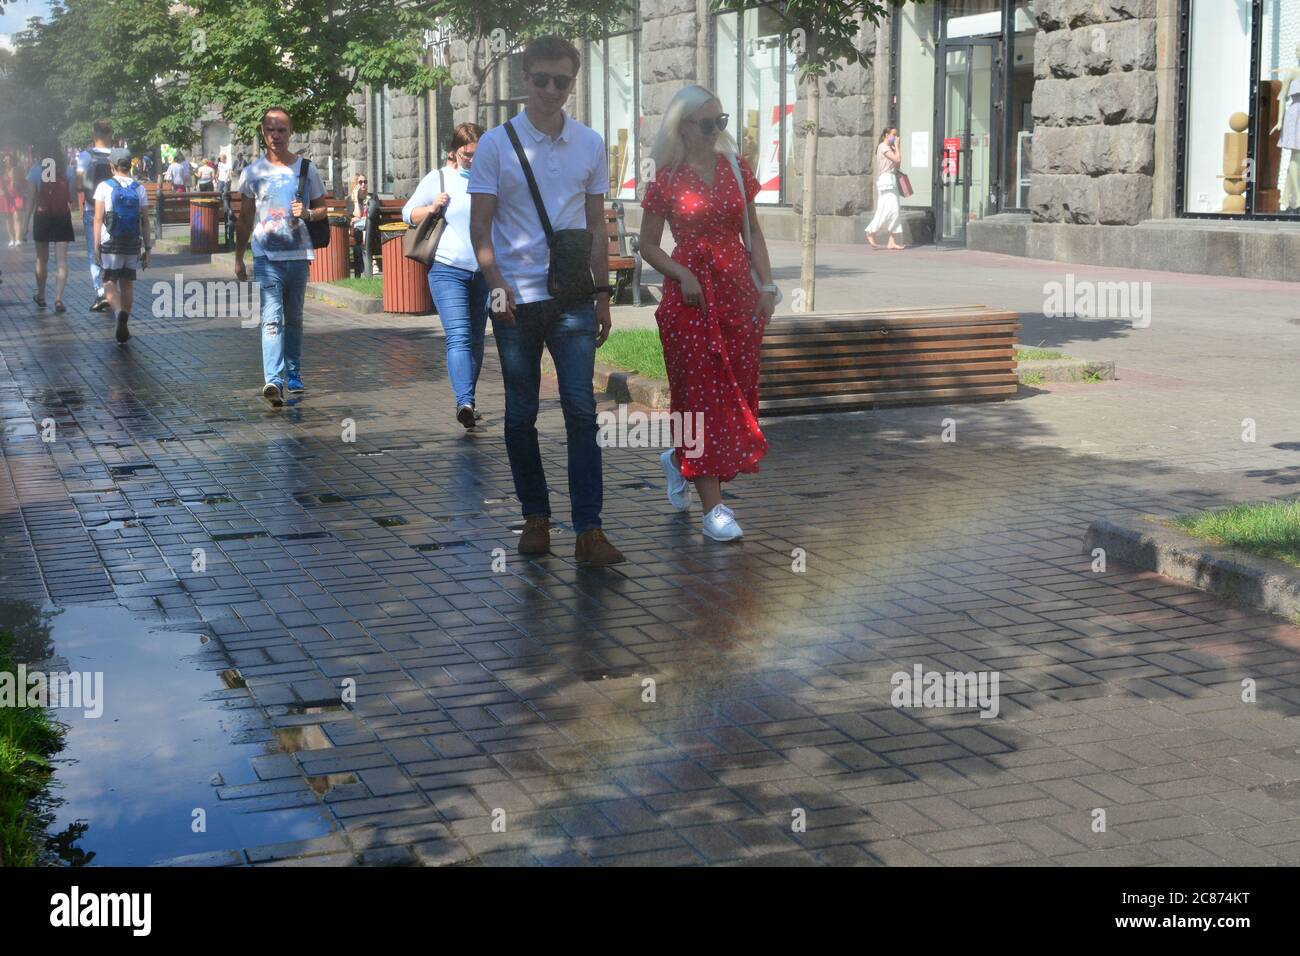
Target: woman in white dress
column 887, row 217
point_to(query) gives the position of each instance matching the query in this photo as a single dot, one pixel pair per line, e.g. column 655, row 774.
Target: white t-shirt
column 568, row 169
column 454, row 248
column 277, row 234
column 205, row 174
column 104, row 194
column 223, row 172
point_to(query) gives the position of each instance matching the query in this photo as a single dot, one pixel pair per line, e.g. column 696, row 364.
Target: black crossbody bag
column 318, row 231
column 568, row 271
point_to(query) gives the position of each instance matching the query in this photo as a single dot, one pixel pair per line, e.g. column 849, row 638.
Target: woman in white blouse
column 458, row 288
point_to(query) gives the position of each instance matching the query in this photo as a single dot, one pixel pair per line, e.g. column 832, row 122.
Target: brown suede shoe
column 536, row 538
column 594, row 549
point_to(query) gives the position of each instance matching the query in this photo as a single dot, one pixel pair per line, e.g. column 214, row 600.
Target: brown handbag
column 421, row 242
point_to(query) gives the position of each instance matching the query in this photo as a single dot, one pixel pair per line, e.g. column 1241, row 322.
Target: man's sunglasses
column 561, row 80
column 706, row 125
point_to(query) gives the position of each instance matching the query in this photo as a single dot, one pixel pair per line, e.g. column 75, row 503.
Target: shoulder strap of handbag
column 302, row 180
column 744, row 216
column 532, row 183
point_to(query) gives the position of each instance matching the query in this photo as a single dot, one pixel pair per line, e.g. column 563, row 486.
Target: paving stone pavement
column 520, row 695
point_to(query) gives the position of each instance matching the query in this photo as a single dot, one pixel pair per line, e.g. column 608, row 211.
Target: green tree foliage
column 115, row 59
column 494, row 30
column 308, row 56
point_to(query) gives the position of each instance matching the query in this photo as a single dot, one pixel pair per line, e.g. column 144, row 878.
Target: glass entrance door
column 969, row 142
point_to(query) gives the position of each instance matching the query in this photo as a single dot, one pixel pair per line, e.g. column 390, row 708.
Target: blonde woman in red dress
column 712, row 316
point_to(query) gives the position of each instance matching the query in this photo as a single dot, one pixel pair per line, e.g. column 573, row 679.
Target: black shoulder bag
column 568, row 272
column 318, row 231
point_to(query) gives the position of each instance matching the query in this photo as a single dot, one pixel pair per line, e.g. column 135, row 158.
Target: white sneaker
column 720, row 524
column 679, row 489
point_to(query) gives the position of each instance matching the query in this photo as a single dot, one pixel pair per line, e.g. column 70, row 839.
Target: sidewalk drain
column 239, row 535
column 331, row 781
column 607, row 673
column 304, row 536
column 127, row 471
column 390, row 521
column 307, row 737
column 439, row 545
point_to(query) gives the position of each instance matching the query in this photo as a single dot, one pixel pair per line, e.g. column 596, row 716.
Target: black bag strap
column 532, row 183
column 302, row 182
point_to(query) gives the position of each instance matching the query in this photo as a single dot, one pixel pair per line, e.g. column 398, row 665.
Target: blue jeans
column 570, row 335
column 461, row 299
column 283, row 287
column 88, row 221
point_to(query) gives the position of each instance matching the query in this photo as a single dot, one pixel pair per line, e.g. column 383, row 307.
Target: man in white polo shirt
column 569, row 164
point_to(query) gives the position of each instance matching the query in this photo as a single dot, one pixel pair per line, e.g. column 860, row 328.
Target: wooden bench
column 624, row 253
column 171, row 207
column 842, row 361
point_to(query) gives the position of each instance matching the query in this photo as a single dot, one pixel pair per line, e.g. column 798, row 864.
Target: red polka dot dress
column 712, row 353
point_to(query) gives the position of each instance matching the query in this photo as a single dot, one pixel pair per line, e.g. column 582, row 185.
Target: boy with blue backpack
column 121, row 236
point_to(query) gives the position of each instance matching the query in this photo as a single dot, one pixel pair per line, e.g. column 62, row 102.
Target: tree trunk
column 476, row 76
column 808, row 262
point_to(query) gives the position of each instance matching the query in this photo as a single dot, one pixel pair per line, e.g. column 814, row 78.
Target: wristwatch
column 607, row 289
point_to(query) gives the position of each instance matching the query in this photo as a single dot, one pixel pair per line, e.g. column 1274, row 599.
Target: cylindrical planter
column 331, row 263
column 406, row 282
column 204, row 215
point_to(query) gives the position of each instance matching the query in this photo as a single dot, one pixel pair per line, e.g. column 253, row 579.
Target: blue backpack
column 123, row 220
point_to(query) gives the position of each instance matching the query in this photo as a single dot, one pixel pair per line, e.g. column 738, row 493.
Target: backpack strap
column 532, row 183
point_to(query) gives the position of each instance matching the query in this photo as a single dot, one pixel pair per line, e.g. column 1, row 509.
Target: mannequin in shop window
column 1288, row 121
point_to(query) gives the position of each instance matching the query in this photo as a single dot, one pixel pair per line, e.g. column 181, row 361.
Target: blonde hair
column 669, row 150
column 352, row 189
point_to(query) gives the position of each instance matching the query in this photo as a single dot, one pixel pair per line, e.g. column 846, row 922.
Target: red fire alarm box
column 951, row 163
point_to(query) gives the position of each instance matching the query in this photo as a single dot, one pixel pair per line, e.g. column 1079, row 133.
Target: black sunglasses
column 561, row 80
column 706, row 125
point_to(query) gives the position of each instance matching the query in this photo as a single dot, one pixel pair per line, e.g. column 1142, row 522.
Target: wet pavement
column 346, row 649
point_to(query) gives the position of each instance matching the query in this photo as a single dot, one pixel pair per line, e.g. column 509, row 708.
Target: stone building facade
column 1067, row 141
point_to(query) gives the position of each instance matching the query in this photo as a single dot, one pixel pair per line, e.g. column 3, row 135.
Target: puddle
column 304, row 536
column 169, row 734
column 239, row 535
column 208, row 500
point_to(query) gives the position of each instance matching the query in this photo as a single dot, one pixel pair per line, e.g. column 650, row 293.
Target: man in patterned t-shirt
column 275, row 215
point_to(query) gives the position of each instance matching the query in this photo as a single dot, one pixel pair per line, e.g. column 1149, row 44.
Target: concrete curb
column 1229, row 573
column 344, row 298
column 1065, row 370
column 622, row 386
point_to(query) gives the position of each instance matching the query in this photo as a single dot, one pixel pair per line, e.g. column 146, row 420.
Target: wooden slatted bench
column 841, row 361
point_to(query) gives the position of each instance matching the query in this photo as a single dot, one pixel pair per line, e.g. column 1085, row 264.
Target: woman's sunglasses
column 561, row 80
column 706, row 125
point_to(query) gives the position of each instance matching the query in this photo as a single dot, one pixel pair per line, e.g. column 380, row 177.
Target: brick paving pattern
column 519, row 695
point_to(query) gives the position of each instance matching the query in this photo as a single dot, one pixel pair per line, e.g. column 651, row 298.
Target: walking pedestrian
column 223, row 176
column 888, row 211
column 207, row 176
column 94, row 167
column 50, row 179
column 148, row 168
column 363, row 212
column 538, row 175
column 456, row 282
column 122, row 242
column 712, row 316
column 281, row 192
column 11, row 200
